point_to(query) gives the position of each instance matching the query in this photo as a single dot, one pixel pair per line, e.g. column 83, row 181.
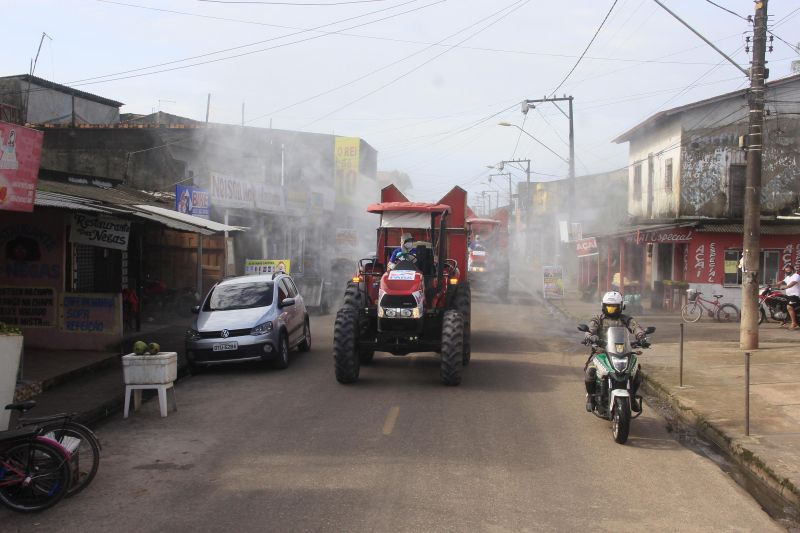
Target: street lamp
column 510, row 194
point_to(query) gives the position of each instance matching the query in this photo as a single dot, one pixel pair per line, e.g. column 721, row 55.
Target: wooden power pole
column 751, row 245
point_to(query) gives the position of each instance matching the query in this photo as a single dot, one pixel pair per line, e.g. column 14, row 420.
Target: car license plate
column 226, row 346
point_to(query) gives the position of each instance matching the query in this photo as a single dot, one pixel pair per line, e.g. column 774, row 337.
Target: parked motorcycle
column 617, row 365
column 772, row 305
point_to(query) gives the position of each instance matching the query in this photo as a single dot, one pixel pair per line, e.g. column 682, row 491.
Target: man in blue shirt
column 406, row 251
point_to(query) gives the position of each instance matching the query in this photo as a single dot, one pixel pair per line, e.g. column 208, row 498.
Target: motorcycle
column 617, row 366
column 772, row 305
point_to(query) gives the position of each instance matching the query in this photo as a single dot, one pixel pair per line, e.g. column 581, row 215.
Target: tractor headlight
column 619, row 363
column 392, row 312
column 261, row 329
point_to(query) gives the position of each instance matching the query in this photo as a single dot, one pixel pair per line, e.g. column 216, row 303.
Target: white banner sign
column 105, row 232
column 231, row 192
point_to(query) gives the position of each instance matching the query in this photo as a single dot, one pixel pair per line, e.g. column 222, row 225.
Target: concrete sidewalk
column 712, row 398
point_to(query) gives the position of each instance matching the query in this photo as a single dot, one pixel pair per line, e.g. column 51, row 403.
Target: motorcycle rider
column 406, row 247
column 793, row 292
column 610, row 315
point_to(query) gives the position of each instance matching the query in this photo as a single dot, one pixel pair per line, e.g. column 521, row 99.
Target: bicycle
column 697, row 306
column 80, row 441
column 35, row 471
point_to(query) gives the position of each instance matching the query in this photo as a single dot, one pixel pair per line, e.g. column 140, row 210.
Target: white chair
column 137, row 397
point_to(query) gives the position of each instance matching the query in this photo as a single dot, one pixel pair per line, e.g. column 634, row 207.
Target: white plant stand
column 10, row 352
column 149, row 372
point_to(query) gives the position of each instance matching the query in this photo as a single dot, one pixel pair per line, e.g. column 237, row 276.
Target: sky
column 425, row 82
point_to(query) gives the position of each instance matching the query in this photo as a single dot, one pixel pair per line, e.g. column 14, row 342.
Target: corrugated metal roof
column 119, row 194
column 766, row 229
column 182, row 221
column 62, row 201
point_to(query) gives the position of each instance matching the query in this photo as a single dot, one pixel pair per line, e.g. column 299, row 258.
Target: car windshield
column 240, row 296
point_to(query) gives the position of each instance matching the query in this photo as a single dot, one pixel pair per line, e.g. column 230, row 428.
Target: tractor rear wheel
column 452, row 347
column 345, row 354
column 463, row 304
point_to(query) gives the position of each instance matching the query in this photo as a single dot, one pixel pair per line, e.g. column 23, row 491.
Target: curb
column 737, row 453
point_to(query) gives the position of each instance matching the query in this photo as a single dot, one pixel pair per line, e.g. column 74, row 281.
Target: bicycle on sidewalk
column 698, row 306
column 80, row 441
column 35, row 471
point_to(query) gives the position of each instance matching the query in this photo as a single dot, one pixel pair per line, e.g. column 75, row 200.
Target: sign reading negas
column 346, row 159
column 192, row 201
column 227, row 191
column 20, row 151
column 105, row 232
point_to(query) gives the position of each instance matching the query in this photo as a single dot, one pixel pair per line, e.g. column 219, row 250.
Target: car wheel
column 282, row 357
column 305, row 346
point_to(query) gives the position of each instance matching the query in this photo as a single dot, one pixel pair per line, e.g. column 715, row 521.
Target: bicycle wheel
column 691, row 312
column 34, row 476
column 728, row 313
column 84, row 448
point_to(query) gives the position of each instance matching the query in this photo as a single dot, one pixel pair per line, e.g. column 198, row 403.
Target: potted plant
column 149, row 365
column 10, row 354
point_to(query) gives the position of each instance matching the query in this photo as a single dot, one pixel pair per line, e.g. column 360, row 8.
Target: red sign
column 20, row 150
column 586, row 247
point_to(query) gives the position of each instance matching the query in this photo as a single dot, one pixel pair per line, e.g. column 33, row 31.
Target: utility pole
column 751, row 245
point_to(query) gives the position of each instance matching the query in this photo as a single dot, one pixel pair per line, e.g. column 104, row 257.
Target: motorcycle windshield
column 617, row 341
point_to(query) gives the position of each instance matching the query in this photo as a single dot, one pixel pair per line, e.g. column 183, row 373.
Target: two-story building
column 686, row 182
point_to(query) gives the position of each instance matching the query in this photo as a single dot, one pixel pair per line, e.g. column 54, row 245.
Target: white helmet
column 612, row 304
column 405, row 238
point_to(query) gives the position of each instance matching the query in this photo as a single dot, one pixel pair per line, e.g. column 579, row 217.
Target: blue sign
column 192, row 201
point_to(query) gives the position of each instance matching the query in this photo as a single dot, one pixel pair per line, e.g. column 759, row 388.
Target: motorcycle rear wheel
column 621, row 420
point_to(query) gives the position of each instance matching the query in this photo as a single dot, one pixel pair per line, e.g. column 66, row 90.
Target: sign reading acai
column 100, row 231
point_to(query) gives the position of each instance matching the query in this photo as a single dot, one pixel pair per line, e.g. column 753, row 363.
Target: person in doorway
column 406, row 251
column 792, row 285
column 610, row 316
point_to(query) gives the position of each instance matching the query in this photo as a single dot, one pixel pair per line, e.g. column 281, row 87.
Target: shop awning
column 64, row 201
column 181, row 221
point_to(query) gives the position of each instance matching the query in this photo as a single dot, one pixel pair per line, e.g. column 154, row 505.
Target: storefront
column 660, row 263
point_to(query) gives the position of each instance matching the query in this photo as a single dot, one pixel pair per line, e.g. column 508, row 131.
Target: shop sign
column 31, row 253
column 586, row 247
column 227, row 191
column 677, row 235
column 105, row 232
column 266, row 266
column 88, row 313
column 346, row 161
column 28, row 307
column 193, row 201
column 20, row 151
column 553, row 282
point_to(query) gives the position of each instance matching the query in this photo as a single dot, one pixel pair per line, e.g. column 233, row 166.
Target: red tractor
column 418, row 303
column 488, row 264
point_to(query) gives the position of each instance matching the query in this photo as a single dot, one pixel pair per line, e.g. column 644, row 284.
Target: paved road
column 511, row 449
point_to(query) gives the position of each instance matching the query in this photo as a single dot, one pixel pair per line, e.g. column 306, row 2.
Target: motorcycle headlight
column 261, row 329
column 192, row 334
column 619, row 363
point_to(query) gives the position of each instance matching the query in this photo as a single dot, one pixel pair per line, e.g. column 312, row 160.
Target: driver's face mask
column 408, row 245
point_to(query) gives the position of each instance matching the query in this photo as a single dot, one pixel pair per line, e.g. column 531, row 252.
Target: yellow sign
column 346, row 158
column 266, row 266
column 731, row 266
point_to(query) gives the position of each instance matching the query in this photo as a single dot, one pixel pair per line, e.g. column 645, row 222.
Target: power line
column 301, row 4
column 728, row 10
column 119, row 75
column 511, row 8
column 375, row 71
column 586, row 49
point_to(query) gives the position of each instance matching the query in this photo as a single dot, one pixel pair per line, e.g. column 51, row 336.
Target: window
column 769, row 267
column 283, row 292
column 227, row 297
column 637, row 183
column 292, row 287
column 668, row 174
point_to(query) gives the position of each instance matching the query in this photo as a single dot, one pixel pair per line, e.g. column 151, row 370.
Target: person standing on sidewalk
column 610, row 316
column 792, row 283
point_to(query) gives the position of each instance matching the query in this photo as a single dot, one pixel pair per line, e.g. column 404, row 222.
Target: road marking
column 391, row 418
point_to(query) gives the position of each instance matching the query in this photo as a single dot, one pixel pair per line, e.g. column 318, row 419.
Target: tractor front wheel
column 345, row 355
column 452, row 347
column 463, row 304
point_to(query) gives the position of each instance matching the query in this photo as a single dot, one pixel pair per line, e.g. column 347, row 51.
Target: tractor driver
column 406, row 251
